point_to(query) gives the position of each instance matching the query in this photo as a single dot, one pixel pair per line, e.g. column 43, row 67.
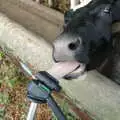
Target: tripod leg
column 32, row 111
column 55, row 108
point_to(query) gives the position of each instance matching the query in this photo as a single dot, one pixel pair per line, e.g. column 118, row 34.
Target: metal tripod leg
column 32, row 111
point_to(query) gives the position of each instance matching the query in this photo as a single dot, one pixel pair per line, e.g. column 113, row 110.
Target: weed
column 1, row 55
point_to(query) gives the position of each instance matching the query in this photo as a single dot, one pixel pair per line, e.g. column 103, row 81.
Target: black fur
column 93, row 24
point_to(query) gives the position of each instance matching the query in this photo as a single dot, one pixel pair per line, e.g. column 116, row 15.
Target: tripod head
column 39, row 91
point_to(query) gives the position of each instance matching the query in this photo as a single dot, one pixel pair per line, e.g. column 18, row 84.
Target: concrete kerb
column 97, row 94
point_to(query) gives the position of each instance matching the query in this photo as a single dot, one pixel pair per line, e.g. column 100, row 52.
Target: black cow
column 88, row 38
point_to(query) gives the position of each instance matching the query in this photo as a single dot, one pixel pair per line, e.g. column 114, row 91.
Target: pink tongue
column 61, row 69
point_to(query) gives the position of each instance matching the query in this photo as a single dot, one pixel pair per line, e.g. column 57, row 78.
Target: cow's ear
column 68, row 17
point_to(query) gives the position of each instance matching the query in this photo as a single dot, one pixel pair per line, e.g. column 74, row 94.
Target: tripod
column 39, row 92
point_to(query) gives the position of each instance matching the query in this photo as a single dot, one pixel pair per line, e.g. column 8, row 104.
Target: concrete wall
column 37, row 18
column 96, row 94
column 25, row 44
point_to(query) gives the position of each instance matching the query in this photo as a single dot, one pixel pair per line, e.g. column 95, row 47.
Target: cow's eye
column 75, row 45
column 72, row 46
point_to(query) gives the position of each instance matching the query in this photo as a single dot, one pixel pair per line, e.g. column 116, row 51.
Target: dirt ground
column 13, row 101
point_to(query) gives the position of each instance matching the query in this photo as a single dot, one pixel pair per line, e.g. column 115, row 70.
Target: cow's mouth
column 68, row 69
column 78, row 71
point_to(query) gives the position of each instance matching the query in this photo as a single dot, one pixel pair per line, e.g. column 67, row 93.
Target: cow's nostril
column 54, row 58
column 72, row 46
